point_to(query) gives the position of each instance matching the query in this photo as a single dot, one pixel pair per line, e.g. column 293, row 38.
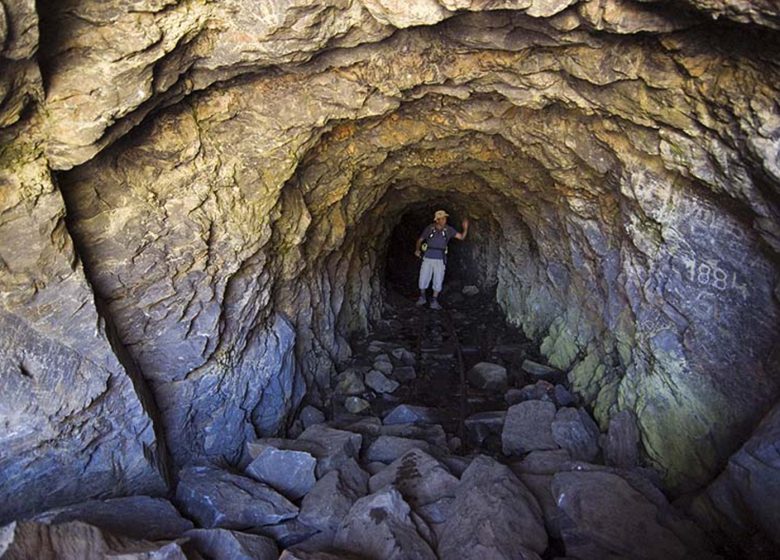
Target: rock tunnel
column 204, row 203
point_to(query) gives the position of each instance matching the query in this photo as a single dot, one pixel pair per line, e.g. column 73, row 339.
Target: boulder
column 621, row 441
column 289, row 472
column 543, row 462
column 404, row 373
column 540, row 371
column 379, row 383
column 604, row 517
column 387, row 449
column 528, row 427
column 574, row 430
column 310, row 416
column 493, row 516
column 412, row 414
column 483, row 424
column 488, row 376
column 404, row 356
column 383, row 364
column 287, row 533
column 330, row 446
column 744, row 501
column 470, row 290
column 563, row 396
column 223, row 544
column 137, row 517
column 432, row 433
column 350, row 382
column 419, row 478
column 332, row 497
column 75, row 540
column 218, row 499
column 356, row 405
column 382, row 525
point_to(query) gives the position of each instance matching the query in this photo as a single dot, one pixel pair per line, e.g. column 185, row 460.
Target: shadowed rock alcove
column 205, row 204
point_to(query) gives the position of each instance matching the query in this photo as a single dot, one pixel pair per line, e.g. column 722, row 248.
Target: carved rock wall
column 232, row 175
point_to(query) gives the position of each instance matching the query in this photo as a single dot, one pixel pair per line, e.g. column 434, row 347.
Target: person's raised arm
column 465, row 231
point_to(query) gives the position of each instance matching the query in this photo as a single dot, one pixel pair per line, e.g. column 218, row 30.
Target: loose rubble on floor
column 407, row 463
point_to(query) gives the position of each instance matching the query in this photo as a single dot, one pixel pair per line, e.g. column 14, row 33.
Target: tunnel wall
column 217, row 170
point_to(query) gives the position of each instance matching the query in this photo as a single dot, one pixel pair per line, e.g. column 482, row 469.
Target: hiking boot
column 435, row 305
column 421, row 301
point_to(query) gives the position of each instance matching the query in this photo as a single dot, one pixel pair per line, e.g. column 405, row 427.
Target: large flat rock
column 219, row 499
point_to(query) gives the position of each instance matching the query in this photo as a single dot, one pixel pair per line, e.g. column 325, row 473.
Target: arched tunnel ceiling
column 232, row 178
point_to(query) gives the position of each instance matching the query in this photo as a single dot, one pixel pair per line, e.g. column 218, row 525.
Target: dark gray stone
column 411, row 414
column 330, row 446
column 289, row 472
column 404, row 356
column 562, row 396
column 332, row 497
column 540, row 371
column 528, row 428
column 217, row 498
column 745, row 498
column 574, row 430
column 543, row 462
column 287, row 533
column 539, row 485
column 310, row 416
column 350, row 382
column 605, row 518
column 223, row 544
column 622, row 441
column 383, row 364
column 137, row 517
column 432, row 433
column 356, row 405
column 404, row 373
column 382, row 525
column 387, row 449
column 539, row 391
column 377, row 381
column 488, row 376
column 493, row 516
column 479, row 426
column 419, row 478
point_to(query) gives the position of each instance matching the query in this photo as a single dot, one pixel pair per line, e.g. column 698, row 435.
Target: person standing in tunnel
column 435, row 237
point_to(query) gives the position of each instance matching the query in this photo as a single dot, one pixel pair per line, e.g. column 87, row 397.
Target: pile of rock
column 365, row 487
column 357, row 385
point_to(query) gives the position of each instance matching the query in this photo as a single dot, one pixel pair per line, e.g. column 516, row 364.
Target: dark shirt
column 437, row 240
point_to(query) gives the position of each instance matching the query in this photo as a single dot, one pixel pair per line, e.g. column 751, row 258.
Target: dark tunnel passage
column 463, row 265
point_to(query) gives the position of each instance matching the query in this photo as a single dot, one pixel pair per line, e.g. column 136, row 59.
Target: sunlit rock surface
column 197, row 201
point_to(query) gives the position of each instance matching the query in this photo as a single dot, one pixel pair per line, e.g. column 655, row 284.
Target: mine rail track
column 449, row 324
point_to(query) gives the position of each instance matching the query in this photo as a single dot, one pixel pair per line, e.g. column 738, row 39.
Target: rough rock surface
column 137, row 517
column 493, row 516
column 744, row 501
column 219, row 499
column 528, row 427
column 76, row 540
column 606, row 517
column 225, row 169
column 381, row 525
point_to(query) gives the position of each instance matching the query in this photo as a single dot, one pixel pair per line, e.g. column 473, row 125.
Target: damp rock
column 488, row 376
column 528, row 427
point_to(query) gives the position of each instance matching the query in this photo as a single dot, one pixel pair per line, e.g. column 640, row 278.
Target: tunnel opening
column 467, row 263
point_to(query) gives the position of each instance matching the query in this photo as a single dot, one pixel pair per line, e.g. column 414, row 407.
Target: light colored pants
column 431, row 268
